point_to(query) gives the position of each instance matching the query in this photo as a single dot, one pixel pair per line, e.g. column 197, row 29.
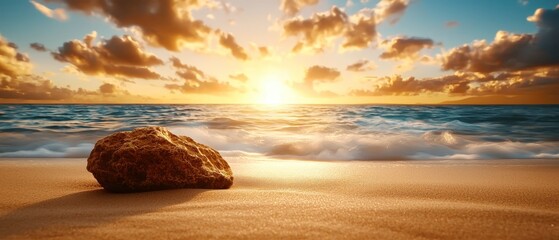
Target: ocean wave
column 352, row 146
column 301, row 132
column 321, row 146
column 52, row 150
column 225, row 123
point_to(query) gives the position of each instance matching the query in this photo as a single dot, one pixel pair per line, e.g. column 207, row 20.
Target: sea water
column 318, row 132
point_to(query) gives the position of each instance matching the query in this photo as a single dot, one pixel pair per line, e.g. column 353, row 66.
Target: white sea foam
column 301, row 132
column 323, row 146
column 55, row 150
column 354, row 146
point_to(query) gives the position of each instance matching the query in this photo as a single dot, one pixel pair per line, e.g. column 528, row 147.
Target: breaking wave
column 298, row 132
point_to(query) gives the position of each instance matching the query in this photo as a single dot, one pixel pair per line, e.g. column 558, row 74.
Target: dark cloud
column 166, row 23
column 239, row 77
column 292, row 7
column 38, row 47
column 227, row 40
column 12, row 62
column 118, row 56
column 404, row 47
column 361, row 66
column 196, row 81
column 509, row 51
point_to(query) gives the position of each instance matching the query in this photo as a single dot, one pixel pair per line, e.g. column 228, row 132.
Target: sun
column 274, row 91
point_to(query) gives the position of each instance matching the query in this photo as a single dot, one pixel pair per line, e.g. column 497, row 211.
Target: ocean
column 313, row 132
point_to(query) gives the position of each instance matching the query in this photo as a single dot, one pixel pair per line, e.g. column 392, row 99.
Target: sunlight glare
column 274, row 91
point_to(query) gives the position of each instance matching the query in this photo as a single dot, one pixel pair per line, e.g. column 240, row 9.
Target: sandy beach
column 502, row 199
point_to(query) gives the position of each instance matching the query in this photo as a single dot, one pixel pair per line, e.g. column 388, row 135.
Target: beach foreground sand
column 291, row 199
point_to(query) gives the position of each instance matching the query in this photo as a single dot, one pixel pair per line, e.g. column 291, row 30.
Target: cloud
column 505, row 100
column 361, row 66
column 107, row 88
column 425, row 59
column 17, row 84
column 404, row 47
column 38, row 47
column 523, row 87
column 397, row 85
column 239, row 77
column 264, row 51
column 451, row 24
column 358, row 30
column 117, row 56
column 391, row 10
column 215, row 4
column 292, row 7
column 58, row 14
column 538, row 83
column 196, row 81
column 112, row 90
column 318, row 31
column 314, row 75
column 321, row 74
column 361, row 31
column 509, row 51
column 16, row 81
column 523, row 84
column 228, row 41
column 32, row 88
column 165, row 23
column 12, row 62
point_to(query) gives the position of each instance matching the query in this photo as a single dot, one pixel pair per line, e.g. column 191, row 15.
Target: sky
column 280, row 51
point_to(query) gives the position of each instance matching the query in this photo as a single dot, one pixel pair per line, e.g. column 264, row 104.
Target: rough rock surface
column 152, row 158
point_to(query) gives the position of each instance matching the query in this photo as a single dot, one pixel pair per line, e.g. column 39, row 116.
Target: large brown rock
column 152, row 158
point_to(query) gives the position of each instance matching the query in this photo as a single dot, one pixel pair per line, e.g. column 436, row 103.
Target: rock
column 152, row 158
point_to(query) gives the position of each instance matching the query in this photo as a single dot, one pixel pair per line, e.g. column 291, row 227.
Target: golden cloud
column 196, row 81
column 118, row 56
column 166, row 23
column 510, row 51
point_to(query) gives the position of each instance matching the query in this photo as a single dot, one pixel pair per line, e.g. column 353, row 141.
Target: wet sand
column 505, row 199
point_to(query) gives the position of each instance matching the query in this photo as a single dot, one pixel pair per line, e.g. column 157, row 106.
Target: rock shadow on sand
column 88, row 209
